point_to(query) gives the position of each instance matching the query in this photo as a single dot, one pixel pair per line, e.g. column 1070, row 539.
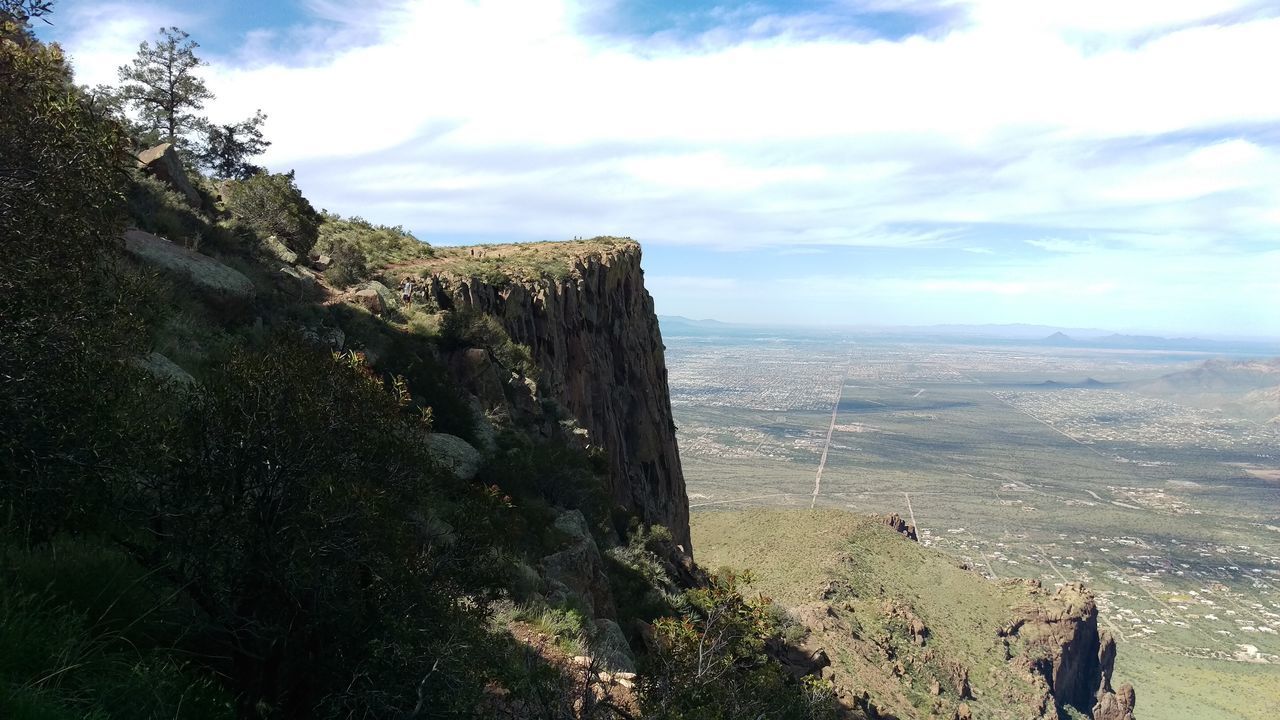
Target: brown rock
column 963, row 712
column 596, row 339
column 215, row 281
column 899, row 525
column 1065, row 650
column 370, row 300
column 162, row 162
column 1116, row 705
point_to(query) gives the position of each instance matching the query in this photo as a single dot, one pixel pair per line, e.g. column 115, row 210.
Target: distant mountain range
column 1248, row 388
column 1035, row 335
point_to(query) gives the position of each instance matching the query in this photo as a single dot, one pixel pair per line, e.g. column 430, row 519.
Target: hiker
column 406, row 290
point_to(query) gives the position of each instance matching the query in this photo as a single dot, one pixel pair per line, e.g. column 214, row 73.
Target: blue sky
column 1093, row 163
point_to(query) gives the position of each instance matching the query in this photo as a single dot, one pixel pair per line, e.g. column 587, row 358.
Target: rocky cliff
column 583, row 311
column 903, row 631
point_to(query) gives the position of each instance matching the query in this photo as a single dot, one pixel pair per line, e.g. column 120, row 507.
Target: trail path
column 911, row 512
column 835, row 410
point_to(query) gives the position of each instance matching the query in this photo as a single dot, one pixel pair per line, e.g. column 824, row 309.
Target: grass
column 1223, row 690
column 517, row 262
column 861, row 584
column 81, row 636
column 565, row 627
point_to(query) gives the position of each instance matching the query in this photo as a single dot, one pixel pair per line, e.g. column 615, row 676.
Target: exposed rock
column 798, row 660
column 478, row 374
column 296, row 279
column 164, row 368
column 611, row 648
column 389, row 299
column 370, row 300
column 595, row 337
column 272, row 247
column 454, row 454
column 1064, row 648
column 963, row 712
column 321, row 262
column 1116, row 705
column 215, row 280
column 899, row 525
column 162, row 162
column 577, row 571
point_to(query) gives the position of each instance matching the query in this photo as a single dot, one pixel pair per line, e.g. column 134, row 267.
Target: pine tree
column 162, row 86
column 226, row 149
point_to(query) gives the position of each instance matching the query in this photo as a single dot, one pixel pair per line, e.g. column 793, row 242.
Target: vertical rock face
column 1074, row 658
column 594, row 335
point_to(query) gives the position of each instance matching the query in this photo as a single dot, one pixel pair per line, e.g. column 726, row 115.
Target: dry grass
column 498, row 264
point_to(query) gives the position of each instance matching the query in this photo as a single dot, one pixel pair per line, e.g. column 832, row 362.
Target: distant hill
column 1246, row 388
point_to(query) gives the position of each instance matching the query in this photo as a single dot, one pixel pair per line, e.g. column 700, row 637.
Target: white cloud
column 1134, row 123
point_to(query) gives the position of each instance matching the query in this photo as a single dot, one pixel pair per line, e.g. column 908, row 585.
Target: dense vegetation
column 265, row 532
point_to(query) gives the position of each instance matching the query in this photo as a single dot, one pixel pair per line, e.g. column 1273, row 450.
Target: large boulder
column 376, row 297
column 164, row 369
column 214, row 279
column 369, row 299
column 162, row 162
column 271, row 246
column 576, row 574
column 610, row 647
column 1116, row 705
column 454, row 454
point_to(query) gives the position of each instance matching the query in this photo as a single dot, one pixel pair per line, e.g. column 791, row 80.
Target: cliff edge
column 582, row 310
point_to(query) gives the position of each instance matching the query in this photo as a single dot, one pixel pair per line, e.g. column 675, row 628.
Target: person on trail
column 406, row 290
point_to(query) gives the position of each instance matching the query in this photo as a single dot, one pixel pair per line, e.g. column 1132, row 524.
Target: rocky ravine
column 594, row 335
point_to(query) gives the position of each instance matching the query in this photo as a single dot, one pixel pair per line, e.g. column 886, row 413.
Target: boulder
column 164, row 368
column 321, row 262
column 454, row 454
column 575, row 575
column 376, row 297
column 333, row 337
column 610, row 647
column 162, row 162
column 389, row 298
column 272, row 246
column 1116, row 705
column 214, row 279
column 899, row 525
column 370, row 300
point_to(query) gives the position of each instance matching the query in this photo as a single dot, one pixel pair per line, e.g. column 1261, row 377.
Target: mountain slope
column 911, row 635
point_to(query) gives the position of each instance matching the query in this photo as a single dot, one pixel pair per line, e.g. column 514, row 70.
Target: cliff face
column 1066, row 651
column 592, row 331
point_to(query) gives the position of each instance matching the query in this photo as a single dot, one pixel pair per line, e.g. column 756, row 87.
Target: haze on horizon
column 837, row 162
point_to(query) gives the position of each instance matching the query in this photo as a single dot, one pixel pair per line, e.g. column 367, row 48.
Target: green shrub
column 357, row 246
column 711, row 663
column 467, row 327
column 270, row 204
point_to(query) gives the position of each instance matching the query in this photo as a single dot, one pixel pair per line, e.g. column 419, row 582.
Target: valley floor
column 1165, row 510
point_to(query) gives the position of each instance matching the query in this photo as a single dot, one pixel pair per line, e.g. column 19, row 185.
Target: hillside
column 909, row 634
column 1244, row 388
column 243, row 476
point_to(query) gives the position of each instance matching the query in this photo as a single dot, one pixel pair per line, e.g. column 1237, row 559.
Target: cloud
column 1098, row 130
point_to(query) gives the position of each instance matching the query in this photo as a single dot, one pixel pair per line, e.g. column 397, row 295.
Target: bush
column 711, row 664
column 357, row 246
column 466, row 327
column 271, row 204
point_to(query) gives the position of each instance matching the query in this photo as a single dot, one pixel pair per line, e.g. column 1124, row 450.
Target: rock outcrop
column 594, row 335
column 215, row 280
column 162, row 162
column 1066, row 650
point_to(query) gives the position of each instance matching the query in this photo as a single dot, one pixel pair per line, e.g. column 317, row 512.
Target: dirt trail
column 835, row 410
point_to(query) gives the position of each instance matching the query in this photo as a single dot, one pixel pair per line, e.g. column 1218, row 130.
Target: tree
column 265, row 205
column 162, row 86
column 227, row 148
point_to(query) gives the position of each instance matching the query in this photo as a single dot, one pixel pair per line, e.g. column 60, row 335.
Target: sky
column 1095, row 163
